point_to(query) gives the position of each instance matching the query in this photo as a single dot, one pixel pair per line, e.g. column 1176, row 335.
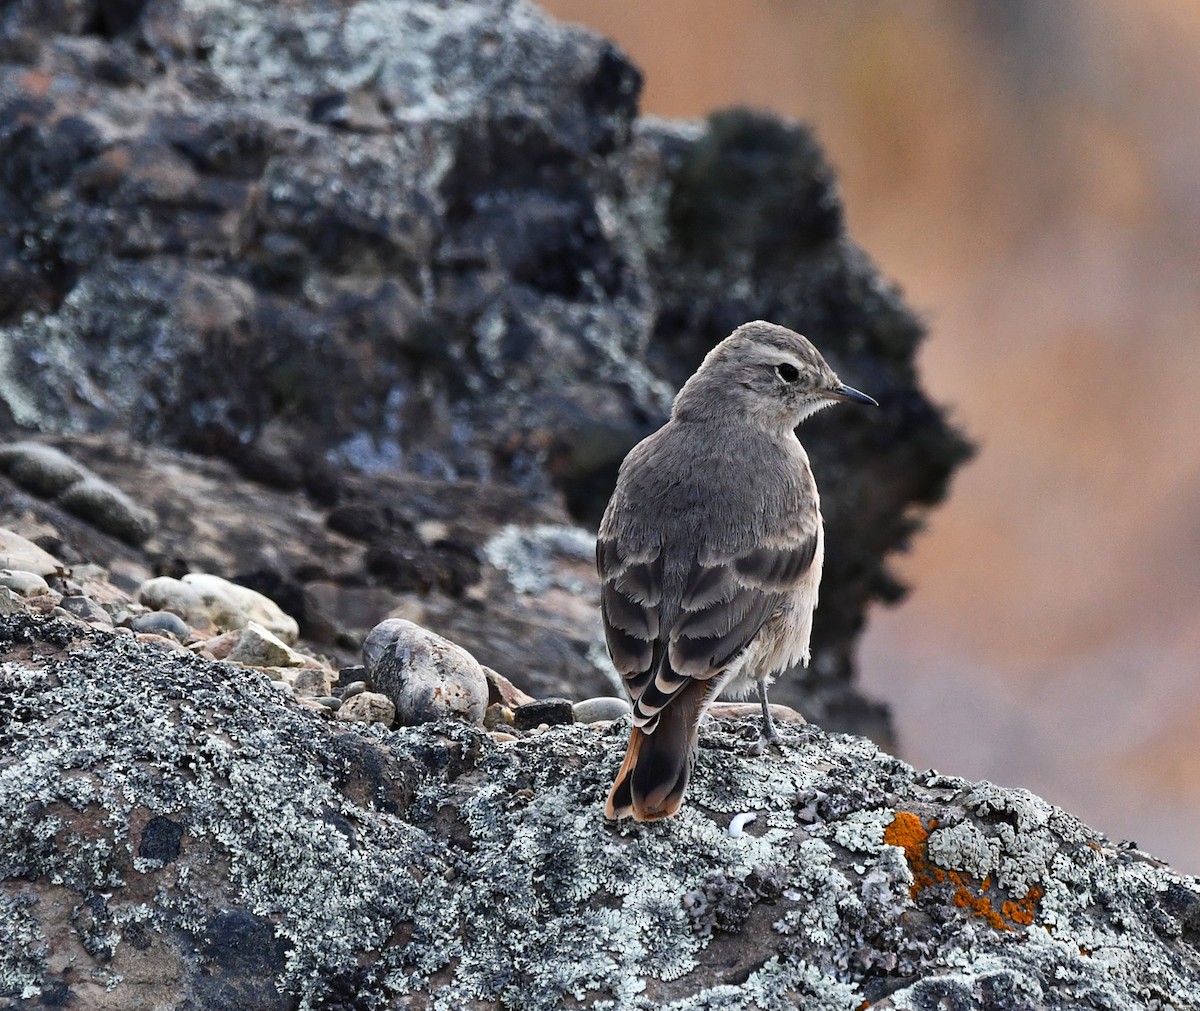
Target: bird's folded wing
column 725, row 601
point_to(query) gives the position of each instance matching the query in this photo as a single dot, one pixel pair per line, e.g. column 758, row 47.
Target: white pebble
column 740, row 821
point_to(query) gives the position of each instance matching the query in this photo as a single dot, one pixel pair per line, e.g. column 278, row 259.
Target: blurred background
column 1029, row 174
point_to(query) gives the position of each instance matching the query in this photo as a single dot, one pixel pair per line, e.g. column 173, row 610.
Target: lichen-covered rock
column 44, row 470
column 433, row 237
column 108, row 508
column 177, row 836
column 427, row 676
column 49, row 472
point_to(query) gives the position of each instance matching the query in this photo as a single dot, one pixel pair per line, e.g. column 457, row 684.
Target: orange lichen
column 907, row 832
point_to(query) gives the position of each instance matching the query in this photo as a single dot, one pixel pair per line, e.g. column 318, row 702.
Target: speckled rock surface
column 383, row 235
column 188, row 836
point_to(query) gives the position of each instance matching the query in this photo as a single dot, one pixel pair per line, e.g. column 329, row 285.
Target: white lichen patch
column 965, row 847
column 527, row 555
column 862, row 831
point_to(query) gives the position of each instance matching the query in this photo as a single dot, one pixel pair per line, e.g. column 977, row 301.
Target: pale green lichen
column 507, row 885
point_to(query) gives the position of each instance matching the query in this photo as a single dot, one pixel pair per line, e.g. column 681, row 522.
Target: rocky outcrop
column 180, row 834
column 327, row 239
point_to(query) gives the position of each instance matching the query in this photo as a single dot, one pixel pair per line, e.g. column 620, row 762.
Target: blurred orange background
column 1029, row 174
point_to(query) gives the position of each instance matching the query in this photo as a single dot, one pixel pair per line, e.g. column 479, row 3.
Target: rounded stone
column 328, row 701
column 368, row 707
column 354, row 688
column 162, row 622
column 234, row 606
column 604, row 707
column 426, row 676
column 43, row 470
column 25, row 584
column 108, row 508
column 166, row 594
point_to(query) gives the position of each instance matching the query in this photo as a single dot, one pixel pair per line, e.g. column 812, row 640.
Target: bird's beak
column 848, row 393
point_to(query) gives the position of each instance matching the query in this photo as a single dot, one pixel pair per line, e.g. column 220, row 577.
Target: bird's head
column 765, row 372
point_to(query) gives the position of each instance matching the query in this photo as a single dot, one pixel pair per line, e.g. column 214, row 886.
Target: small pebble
column 739, row 822
column 353, row 688
column 328, row 701
column 551, row 712
column 502, row 737
column 497, row 715
column 604, row 707
column 162, row 622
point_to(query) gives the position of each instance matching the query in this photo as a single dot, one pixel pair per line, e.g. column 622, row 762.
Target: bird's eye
column 787, row 372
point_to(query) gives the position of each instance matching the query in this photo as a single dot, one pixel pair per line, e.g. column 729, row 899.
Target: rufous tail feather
column 653, row 779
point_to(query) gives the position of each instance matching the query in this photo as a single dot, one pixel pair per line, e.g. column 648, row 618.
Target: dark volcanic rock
column 428, row 237
column 180, row 835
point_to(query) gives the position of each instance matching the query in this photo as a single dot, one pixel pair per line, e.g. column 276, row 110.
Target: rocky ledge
column 181, row 834
column 329, row 241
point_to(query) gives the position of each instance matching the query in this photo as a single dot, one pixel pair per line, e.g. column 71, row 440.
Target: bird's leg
column 769, row 733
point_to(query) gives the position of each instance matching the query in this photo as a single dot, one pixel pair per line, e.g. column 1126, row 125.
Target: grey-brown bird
column 710, row 553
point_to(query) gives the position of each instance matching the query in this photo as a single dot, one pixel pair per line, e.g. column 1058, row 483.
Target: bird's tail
column 653, row 779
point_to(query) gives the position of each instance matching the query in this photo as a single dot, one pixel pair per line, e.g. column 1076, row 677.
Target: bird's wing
column 659, row 645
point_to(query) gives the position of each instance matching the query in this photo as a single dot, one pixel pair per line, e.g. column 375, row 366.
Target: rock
column 351, row 676
column 25, row 584
column 474, row 264
column 368, row 707
column 503, row 691
column 233, row 606
column 497, row 715
column 295, row 861
column 607, row 707
column 427, row 677
column 331, row 702
column 86, row 609
column 44, row 470
column 164, row 593
column 553, row 712
column 10, row 603
column 354, row 688
column 311, row 682
column 257, row 647
column 161, row 642
column 220, row 646
column 740, row 710
column 18, row 553
column 163, row 623
column 108, row 508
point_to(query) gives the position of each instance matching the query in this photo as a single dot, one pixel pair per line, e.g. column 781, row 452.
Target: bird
column 710, row 553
